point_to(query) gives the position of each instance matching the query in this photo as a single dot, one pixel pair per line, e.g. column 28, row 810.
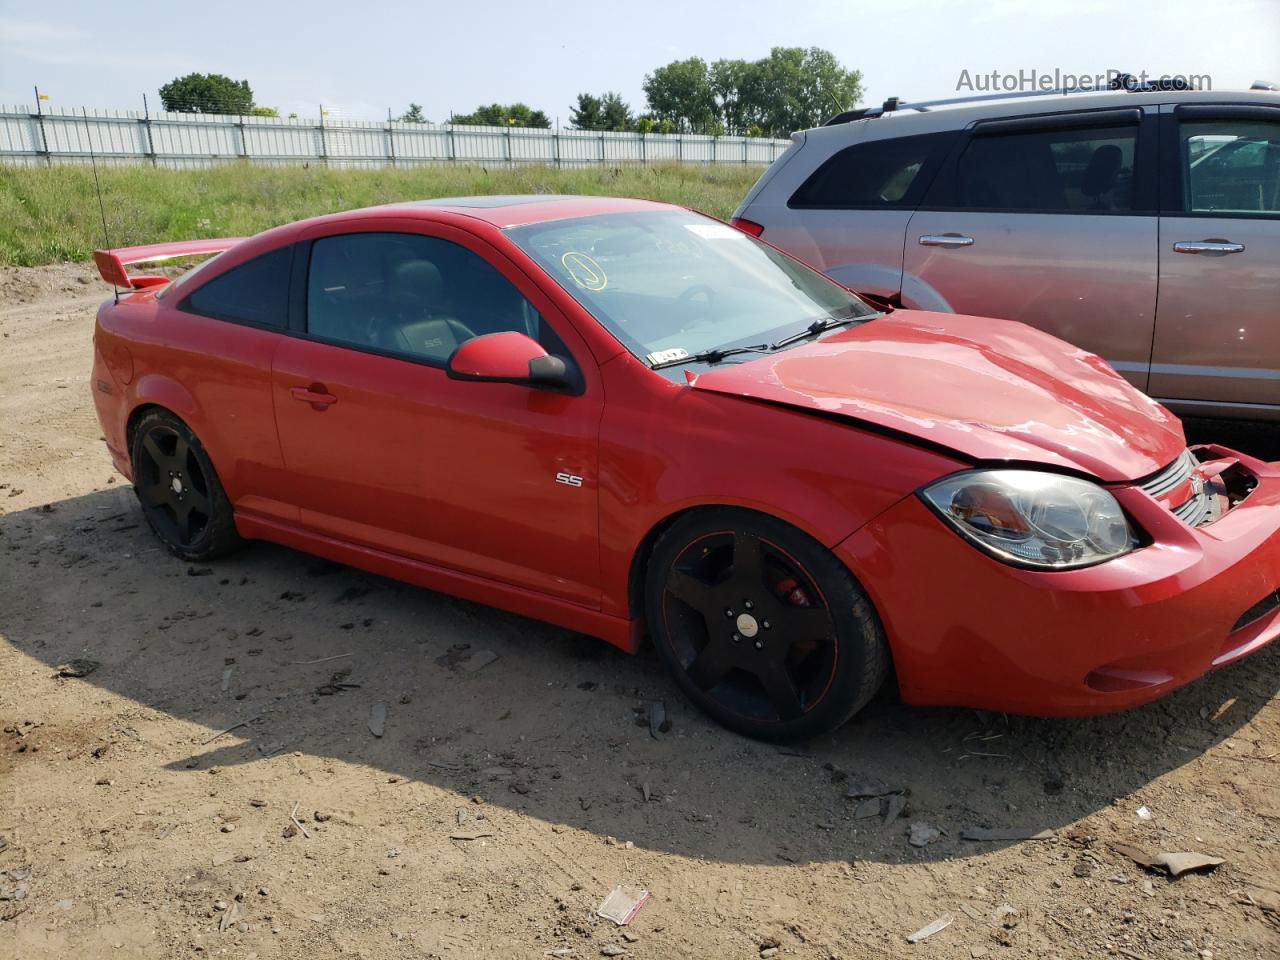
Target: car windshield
column 675, row 284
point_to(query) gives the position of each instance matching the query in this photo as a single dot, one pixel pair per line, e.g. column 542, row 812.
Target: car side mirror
column 507, row 357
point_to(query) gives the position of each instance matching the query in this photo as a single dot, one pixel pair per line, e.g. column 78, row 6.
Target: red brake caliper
column 792, row 592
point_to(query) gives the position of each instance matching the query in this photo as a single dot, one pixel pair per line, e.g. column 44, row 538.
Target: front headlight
column 1034, row 519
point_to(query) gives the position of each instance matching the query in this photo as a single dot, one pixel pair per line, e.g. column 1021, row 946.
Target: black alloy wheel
column 763, row 626
column 179, row 491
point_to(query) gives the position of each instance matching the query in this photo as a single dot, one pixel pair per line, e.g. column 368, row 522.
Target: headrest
column 1104, row 167
column 416, row 281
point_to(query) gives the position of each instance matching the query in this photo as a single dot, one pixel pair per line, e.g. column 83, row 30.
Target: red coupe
column 622, row 416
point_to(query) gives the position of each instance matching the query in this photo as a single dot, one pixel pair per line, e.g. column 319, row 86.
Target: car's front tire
column 179, row 490
column 763, row 627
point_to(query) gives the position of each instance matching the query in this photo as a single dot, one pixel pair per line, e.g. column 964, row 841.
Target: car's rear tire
column 763, row 627
column 179, row 490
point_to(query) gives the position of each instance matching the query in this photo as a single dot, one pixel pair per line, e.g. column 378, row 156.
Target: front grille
column 1168, row 479
column 1199, row 509
column 1202, row 503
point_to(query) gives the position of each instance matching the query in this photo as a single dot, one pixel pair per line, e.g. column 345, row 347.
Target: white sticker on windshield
column 713, row 231
column 665, row 356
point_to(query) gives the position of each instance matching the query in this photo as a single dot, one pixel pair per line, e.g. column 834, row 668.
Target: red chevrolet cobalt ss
column 625, row 417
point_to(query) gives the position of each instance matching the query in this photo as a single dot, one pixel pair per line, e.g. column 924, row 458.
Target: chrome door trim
column 1227, row 409
column 1196, row 370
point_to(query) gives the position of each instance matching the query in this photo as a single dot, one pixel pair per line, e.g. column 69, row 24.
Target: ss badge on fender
column 569, row 479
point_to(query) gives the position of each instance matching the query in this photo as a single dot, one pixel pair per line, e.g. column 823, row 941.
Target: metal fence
column 73, row 135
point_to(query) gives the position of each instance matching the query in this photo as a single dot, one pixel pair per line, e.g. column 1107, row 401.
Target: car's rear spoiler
column 112, row 263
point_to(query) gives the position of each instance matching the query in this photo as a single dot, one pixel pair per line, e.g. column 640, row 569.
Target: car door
column 1049, row 220
column 849, row 216
column 1217, row 336
column 386, row 451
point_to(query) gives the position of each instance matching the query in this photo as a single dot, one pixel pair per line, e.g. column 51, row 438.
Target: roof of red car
column 508, row 211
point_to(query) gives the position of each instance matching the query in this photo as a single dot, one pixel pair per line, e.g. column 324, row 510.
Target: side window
column 882, row 173
column 1074, row 170
column 256, row 292
column 1231, row 166
column 413, row 296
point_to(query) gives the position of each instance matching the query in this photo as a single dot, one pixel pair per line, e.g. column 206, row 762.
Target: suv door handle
column 317, row 395
column 1207, row 246
column 945, row 240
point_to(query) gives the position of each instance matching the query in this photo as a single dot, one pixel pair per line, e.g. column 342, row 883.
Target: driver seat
column 420, row 325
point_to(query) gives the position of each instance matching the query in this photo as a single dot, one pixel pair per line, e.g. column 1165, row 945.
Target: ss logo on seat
column 568, row 479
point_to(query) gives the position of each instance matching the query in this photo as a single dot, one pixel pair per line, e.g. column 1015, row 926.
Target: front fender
column 666, row 448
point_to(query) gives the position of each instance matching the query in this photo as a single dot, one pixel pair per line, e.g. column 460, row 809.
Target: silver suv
column 1143, row 226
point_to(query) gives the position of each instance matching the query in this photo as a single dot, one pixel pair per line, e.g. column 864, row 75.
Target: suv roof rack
column 1121, row 81
column 894, row 104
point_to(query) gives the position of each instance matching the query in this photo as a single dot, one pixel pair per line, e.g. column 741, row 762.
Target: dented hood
column 988, row 389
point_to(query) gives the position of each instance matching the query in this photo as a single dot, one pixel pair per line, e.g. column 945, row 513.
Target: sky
column 361, row 59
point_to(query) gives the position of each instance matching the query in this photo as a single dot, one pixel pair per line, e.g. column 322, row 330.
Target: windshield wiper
column 712, row 356
column 821, row 326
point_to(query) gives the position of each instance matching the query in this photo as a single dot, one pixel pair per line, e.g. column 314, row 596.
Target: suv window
column 1231, row 166
column 1073, row 170
column 256, row 292
column 881, row 173
column 412, row 296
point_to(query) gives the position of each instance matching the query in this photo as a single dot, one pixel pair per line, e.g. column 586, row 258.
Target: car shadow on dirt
column 300, row 650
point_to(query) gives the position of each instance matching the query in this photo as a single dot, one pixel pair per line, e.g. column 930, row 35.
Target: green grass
column 51, row 214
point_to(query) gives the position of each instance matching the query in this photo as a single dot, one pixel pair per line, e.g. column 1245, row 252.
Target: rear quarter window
column 881, row 173
column 256, row 292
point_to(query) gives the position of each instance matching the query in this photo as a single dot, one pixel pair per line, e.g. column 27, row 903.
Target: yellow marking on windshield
column 584, row 271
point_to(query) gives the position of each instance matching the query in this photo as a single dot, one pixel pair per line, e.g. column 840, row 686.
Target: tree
column 801, row 88
column 606, row 112
column 651, row 124
column 587, row 115
column 498, row 115
column 791, row 89
column 413, row 114
column 207, row 93
column 681, row 92
column 617, row 113
column 732, row 84
column 263, row 112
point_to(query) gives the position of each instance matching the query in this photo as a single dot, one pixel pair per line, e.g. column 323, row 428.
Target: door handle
column 1208, row 246
column 945, row 240
column 317, row 395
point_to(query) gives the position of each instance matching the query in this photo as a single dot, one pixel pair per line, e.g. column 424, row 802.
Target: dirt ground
column 507, row 798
